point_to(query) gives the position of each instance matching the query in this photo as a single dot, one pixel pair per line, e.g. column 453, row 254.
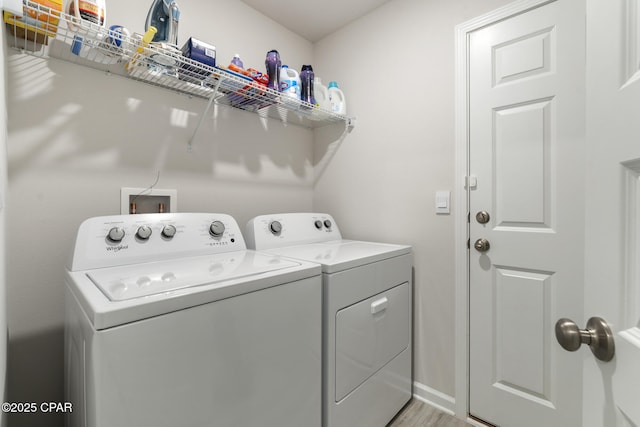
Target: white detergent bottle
column 336, row 99
column 290, row 82
column 322, row 94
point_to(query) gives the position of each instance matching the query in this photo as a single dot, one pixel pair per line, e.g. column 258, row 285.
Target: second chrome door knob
column 482, row 245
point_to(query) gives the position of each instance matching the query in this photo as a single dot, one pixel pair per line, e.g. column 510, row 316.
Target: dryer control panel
column 288, row 229
column 110, row 241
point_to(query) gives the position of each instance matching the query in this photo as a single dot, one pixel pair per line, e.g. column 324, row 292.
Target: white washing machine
column 171, row 321
column 367, row 315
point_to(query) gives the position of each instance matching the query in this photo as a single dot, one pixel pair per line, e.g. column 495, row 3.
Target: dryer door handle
column 379, row 305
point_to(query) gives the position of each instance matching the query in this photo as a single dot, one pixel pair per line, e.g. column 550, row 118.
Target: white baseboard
column 442, row 402
column 432, row 397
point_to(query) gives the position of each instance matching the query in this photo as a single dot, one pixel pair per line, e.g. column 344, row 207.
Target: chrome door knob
column 482, row 245
column 483, row 217
column 597, row 336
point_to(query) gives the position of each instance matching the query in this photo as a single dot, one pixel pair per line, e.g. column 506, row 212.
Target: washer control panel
column 126, row 239
column 288, row 229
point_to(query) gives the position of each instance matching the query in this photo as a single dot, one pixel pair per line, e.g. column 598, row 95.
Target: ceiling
column 313, row 20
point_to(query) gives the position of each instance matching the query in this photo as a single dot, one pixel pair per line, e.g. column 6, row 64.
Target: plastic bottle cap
column 285, row 66
column 333, row 84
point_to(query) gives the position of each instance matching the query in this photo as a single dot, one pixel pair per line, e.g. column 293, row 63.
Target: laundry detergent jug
column 322, row 94
column 336, row 99
column 290, row 82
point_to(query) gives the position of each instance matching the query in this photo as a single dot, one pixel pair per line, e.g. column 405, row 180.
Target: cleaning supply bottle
column 237, row 61
column 237, row 65
column 322, row 94
column 94, row 11
column 336, row 99
column 290, row 82
column 273, row 65
column 164, row 15
column 306, row 84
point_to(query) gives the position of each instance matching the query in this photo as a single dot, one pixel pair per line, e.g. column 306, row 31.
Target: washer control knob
column 169, row 231
column 216, row 229
column 116, row 234
column 318, row 224
column 275, row 227
column 327, row 223
column 144, row 232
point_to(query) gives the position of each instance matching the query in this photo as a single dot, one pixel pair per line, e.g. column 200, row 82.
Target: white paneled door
column 612, row 246
column 526, row 199
column 554, row 199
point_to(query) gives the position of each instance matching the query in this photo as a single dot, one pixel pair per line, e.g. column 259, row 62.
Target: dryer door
column 369, row 334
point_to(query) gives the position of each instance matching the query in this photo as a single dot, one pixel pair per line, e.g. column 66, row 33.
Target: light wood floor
column 419, row 414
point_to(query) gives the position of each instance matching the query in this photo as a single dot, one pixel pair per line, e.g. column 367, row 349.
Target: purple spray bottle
column 273, row 65
column 306, row 84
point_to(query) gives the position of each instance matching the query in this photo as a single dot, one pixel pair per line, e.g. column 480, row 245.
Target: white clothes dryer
column 367, row 314
column 171, row 321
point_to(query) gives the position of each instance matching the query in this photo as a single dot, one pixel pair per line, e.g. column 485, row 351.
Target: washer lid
column 141, row 280
column 340, row 255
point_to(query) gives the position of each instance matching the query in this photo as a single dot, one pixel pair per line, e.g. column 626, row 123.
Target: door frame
column 461, row 227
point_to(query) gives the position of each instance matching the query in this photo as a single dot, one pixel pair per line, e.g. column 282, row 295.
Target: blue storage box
column 201, row 52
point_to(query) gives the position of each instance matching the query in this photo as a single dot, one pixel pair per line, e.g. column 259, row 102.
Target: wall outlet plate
column 145, row 200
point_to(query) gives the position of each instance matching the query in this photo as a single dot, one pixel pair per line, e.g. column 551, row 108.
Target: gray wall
column 396, row 67
column 76, row 136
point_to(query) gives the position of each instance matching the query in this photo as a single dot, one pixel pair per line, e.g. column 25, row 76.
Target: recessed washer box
column 145, row 200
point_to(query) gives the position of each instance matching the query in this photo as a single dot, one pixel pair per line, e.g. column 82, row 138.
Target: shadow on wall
column 78, row 117
column 74, row 133
column 327, row 142
column 30, row 359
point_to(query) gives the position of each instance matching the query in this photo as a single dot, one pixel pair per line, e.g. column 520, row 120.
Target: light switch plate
column 443, row 202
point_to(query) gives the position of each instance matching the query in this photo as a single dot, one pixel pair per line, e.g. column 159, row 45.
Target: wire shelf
column 52, row 34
